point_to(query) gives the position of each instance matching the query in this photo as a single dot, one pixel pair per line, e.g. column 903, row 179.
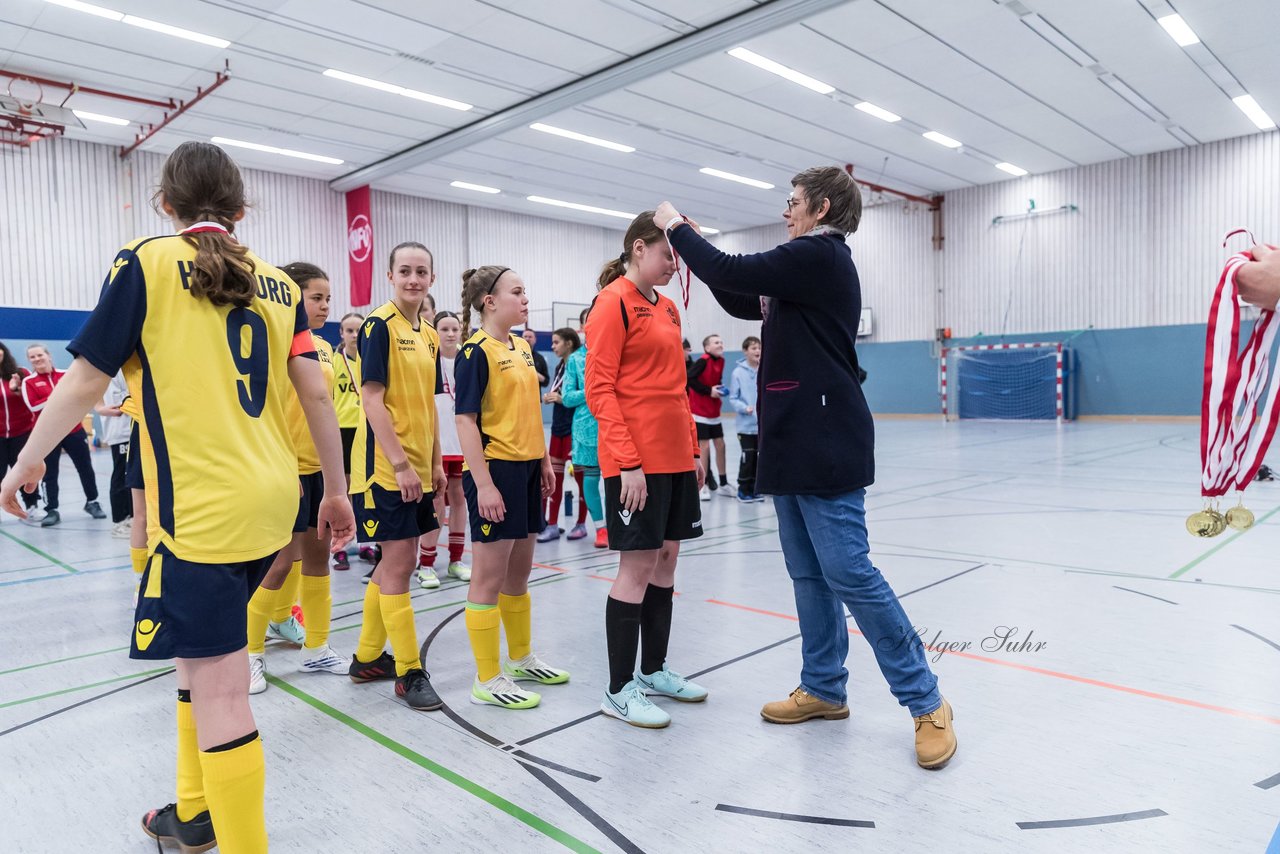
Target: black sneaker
column 340, row 561
column 382, row 667
column 94, row 509
column 192, row 837
column 50, row 519
column 415, row 689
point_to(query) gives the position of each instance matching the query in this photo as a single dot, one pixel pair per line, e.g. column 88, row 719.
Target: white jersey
column 449, row 444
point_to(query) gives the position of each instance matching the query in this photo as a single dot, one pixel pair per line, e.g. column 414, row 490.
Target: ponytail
column 223, row 272
column 612, row 269
column 477, row 283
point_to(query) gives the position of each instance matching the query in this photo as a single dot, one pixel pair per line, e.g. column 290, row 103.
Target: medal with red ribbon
column 1239, row 409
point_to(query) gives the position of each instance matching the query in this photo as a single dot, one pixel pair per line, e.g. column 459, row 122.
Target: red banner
column 360, row 246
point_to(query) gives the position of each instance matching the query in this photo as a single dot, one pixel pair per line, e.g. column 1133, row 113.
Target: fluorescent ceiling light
column 729, row 176
column 1256, row 114
column 397, row 90
column 879, row 112
column 479, row 188
column 706, row 230
column 98, row 117
column 1178, row 29
column 169, row 30
column 582, row 137
column 543, row 200
column 941, row 139
column 271, row 149
column 91, row 9
column 781, row 70
column 1011, row 169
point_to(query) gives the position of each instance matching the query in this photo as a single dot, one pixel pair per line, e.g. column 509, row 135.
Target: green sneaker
column 534, row 669
column 501, row 691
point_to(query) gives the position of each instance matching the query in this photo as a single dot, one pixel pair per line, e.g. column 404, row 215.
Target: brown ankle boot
column 802, row 706
column 935, row 738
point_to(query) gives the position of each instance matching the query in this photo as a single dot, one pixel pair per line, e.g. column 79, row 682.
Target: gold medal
column 1206, row 523
column 1240, row 517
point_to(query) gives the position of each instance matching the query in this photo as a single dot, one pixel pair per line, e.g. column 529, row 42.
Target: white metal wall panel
column 440, row 226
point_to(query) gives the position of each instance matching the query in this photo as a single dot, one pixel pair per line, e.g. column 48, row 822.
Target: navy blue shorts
column 193, row 610
column 309, row 501
column 382, row 516
column 521, row 486
column 133, row 465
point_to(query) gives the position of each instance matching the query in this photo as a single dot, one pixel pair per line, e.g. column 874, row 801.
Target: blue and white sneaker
column 534, row 669
column 289, row 631
column 632, row 706
column 322, row 659
column 668, row 683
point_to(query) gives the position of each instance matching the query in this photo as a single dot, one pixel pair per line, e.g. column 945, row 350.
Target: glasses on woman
column 792, row 201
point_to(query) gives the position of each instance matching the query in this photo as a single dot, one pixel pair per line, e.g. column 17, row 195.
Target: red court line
column 1071, row 677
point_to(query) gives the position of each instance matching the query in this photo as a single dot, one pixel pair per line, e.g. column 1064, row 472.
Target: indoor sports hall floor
column 1147, row 721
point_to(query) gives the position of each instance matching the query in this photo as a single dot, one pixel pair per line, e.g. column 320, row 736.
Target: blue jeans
column 824, row 542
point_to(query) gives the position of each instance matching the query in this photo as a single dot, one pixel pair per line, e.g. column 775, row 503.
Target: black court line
column 1267, row 641
column 941, row 580
column 563, row 726
column 48, row 715
column 615, row 836
column 787, row 816
column 1269, row 783
column 1085, row 822
column 1140, row 593
column 556, row 766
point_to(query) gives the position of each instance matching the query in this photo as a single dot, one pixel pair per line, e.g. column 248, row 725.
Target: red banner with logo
column 360, row 246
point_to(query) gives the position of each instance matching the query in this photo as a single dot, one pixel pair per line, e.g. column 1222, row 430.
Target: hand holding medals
column 1235, row 382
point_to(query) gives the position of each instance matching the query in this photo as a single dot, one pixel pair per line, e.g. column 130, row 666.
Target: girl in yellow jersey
column 507, row 475
column 307, row 555
column 174, row 306
column 346, row 396
column 395, row 467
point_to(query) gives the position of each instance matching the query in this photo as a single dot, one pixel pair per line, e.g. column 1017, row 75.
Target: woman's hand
column 410, row 485
column 664, row 214
column 15, row 382
column 552, row 397
column 334, row 517
column 548, row 478
column 490, row 504
column 699, row 472
column 635, row 490
column 439, row 481
column 1259, row 280
column 24, row 475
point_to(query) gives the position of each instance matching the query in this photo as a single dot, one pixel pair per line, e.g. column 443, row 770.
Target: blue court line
column 1274, row 846
column 78, row 572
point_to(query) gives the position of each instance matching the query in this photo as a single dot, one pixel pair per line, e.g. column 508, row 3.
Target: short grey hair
column 836, row 185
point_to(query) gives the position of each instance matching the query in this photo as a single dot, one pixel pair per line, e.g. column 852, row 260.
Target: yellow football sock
column 191, row 800
column 259, row 615
column 234, row 784
column 288, row 594
column 397, row 616
column 373, row 634
column 517, row 620
column 317, row 605
column 482, row 628
column 138, row 557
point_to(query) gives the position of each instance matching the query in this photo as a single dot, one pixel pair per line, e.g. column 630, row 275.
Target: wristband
column 676, row 220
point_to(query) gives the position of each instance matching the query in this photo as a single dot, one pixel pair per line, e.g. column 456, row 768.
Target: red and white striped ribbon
column 1235, row 382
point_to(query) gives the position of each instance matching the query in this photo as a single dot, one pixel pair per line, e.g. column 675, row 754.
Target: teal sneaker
column 502, row 692
column 289, row 631
column 632, row 706
column 534, row 669
column 668, row 683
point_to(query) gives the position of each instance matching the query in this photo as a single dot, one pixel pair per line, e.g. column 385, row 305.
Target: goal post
column 1027, row 382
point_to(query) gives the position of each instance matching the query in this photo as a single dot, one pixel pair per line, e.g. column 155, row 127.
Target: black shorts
column 309, row 501
column 521, row 486
column 709, row 431
column 382, row 516
column 133, row 466
column 671, row 512
column 193, row 610
column 348, row 437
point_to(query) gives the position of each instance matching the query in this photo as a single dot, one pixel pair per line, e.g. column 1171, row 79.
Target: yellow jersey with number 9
column 217, row 459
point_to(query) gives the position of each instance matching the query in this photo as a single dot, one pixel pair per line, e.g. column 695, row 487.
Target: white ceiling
column 971, row 69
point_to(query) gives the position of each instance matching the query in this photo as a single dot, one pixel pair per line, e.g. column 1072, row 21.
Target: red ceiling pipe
column 74, row 88
column 222, row 77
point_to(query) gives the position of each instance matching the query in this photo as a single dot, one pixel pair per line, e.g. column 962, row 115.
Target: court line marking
column 1267, row 641
column 469, row 786
column 85, row 702
column 1140, row 593
column 1092, row 820
column 1071, row 677
column 62, row 691
column 614, row 835
column 786, row 816
column 78, row 572
column 60, row 660
column 53, row 560
column 1269, row 783
column 1222, row 545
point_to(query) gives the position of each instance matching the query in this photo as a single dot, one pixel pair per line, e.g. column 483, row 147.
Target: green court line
column 60, row 660
column 1222, row 545
column 84, row 687
column 53, row 560
column 470, row 787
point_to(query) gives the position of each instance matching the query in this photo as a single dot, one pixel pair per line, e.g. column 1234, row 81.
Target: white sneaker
column 728, row 490
column 704, row 494
column 459, row 570
column 323, row 659
column 35, row 516
column 257, row 673
column 122, row 530
column 427, row 578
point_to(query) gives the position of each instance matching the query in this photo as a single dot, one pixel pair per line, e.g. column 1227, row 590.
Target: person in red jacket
column 706, row 387
column 16, row 421
column 36, row 390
